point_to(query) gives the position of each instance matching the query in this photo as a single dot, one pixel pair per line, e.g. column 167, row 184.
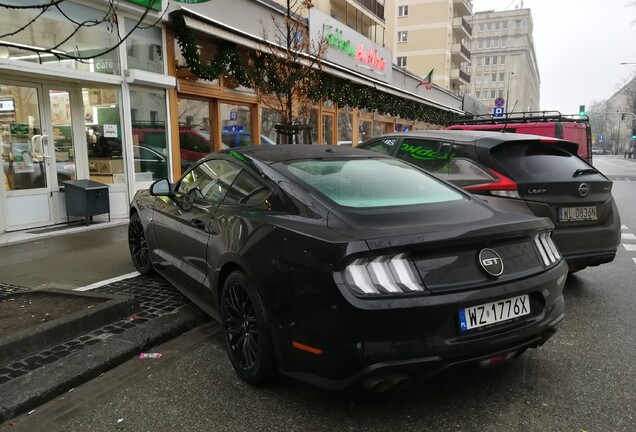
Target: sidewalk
column 94, row 258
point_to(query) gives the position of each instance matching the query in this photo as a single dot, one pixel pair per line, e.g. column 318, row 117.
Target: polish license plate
column 575, row 214
column 492, row 313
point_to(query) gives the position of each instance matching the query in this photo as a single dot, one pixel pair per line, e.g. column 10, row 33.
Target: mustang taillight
column 386, row 274
column 502, row 186
column 547, row 249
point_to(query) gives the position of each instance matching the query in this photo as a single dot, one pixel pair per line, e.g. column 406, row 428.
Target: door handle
column 197, row 223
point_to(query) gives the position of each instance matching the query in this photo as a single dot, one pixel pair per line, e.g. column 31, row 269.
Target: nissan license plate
column 575, row 214
column 491, row 313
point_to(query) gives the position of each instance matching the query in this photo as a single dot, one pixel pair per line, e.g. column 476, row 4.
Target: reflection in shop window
column 144, row 48
column 378, row 128
column 207, row 51
column 345, row 127
column 366, row 130
column 103, row 135
column 235, row 124
column 194, row 131
column 55, row 25
column 269, row 118
column 149, row 135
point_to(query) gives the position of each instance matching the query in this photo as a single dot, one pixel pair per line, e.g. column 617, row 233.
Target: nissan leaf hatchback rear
column 526, row 173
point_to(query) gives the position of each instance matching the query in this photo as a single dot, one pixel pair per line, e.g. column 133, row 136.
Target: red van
column 545, row 123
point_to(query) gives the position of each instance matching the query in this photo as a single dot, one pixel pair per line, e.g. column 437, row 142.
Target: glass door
column 26, row 157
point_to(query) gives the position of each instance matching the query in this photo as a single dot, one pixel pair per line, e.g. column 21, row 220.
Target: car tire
column 247, row 338
column 138, row 246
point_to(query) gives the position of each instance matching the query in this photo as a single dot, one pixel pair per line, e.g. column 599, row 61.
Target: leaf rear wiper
column 580, row 172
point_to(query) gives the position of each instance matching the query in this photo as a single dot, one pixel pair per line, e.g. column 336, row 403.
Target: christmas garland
column 227, row 62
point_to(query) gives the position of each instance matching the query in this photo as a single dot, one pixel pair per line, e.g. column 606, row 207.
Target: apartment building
column 427, row 35
column 504, row 62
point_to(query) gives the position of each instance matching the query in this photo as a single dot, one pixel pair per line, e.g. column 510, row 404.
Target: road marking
column 634, row 260
column 628, row 236
column 107, row 281
column 623, row 227
column 630, row 247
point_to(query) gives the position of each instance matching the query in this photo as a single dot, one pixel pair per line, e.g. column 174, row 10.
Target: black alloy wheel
column 139, row 246
column 247, row 337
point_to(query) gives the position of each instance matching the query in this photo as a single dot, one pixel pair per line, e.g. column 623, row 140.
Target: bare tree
column 39, row 9
column 288, row 67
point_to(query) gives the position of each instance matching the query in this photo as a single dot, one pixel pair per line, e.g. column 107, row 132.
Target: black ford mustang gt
column 337, row 265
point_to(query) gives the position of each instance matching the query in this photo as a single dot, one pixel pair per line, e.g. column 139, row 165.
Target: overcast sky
column 579, row 45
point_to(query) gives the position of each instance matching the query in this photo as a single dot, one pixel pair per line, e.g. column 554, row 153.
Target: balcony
column 460, row 52
column 462, row 7
column 458, row 74
column 374, row 6
column 460, row 24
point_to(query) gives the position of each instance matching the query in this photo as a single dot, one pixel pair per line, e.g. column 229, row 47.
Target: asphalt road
column 583, row 379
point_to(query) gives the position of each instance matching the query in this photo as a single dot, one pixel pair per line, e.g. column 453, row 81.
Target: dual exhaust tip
column 388, row 380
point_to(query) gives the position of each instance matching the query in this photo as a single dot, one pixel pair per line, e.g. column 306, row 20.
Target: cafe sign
column 348, row 48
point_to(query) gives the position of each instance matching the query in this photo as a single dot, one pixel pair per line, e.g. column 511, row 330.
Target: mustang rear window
column 372, row 182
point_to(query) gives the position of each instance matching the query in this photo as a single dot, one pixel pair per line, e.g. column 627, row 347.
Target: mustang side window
column 246, row 189
column 209, row 180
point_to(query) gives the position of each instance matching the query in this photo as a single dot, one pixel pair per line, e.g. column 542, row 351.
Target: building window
column 477, row 95
column 495, row 43
column 494, row 60
column 479, row 61
column 492, row 94
column 501, row 76
column 500, row 93
column 486, row 78
column 486, row 61
column 502, row 60
column 401, row 62
column 504, row 25
column 496, row 25
column 487, row 43
column 518, row 24
column 481, row 43
column 481, row 28
column 403, row 36
column 403, row 11
column 488, row 26
column 494, row 77
column 503, row 42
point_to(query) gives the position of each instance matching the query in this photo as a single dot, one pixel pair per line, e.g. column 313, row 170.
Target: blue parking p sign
column 498, row 111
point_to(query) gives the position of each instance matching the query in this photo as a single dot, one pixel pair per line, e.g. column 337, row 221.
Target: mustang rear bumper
column 397, row 345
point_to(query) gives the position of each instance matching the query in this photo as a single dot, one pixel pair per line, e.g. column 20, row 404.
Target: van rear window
column 534, row 161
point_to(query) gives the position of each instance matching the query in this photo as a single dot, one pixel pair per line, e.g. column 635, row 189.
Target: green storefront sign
column 152, row 4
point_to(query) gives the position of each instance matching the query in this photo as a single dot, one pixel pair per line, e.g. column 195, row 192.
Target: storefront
column 211, row 114
column 103, row 118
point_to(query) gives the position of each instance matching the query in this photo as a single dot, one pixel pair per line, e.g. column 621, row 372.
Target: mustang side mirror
column 161, row 188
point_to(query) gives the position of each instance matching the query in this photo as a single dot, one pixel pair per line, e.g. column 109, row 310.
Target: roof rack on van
column 520, row 117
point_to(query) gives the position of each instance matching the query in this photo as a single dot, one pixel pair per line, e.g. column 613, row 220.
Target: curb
column 26, row 342
column 31, row 390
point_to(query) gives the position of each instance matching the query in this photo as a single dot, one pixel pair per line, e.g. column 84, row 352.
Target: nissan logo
column 584, row 189
column 491, row 262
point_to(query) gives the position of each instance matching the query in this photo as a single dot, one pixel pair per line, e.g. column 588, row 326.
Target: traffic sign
column 233, row 115
column 234, row 128
column 601, row 138
column 498, row 111
column 499, row 102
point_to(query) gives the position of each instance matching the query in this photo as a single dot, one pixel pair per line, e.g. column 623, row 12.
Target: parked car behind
column 336, row 265
column 524, row 173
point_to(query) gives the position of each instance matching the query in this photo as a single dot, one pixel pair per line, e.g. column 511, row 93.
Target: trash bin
column 86, row 198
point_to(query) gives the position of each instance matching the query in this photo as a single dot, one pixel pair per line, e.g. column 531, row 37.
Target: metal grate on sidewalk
column 155, row 296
